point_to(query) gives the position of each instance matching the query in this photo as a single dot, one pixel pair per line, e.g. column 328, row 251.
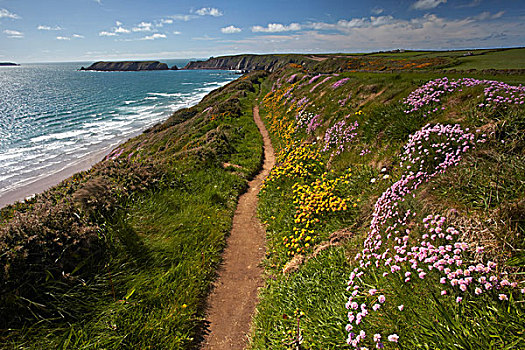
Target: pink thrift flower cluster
column 314, row 79
column 339, row 136
column 495, row 92
column 320, row 83
column 339, row 83
column 429, row 152
column 303, row 102
column 308, row 120
column 113, row 155
column 288, row 93
column 343, row 101
column 292, row 78
column 442, row 144
column 364, row 152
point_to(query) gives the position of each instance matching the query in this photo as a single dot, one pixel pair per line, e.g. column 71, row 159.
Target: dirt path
column 233, row 300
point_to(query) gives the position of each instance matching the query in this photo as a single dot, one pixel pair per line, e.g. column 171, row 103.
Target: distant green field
column 480, row 59
column 507, row 59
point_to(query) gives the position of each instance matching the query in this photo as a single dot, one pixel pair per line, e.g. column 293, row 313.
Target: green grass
column 162, row 247
column 485, row 190
column 505, row 59
column 314, row 296
column 162, row 244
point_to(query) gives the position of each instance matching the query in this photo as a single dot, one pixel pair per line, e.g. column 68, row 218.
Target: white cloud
column 487, row 15
column 163, row 21
column 474, row 3
column 121, row 30
column 184, row 18
column 98, row 2
column 78, row 36
column 427, row 4
column 231, row 30
column 277, row 27
column 115, row 31
column 43, row 27
column 209, row 11
column 63, row 38
column 206, row 37
column 143, row 27
column 14, row 34
column 154, row 36
column 377, row 10
column 6, row 14
column 104, row 33
column 386, row 33
column 177, row 32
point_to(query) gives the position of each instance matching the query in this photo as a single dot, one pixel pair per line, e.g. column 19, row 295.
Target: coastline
column 46, row 181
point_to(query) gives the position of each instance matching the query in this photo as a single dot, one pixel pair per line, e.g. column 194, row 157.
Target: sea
column 53, row 115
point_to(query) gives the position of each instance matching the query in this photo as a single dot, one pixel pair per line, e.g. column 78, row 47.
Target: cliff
column 268, row 63
column 8, row 64
column 319, row 63
column 127, row 66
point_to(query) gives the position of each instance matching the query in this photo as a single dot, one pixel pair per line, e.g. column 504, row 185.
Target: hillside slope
column 122, row 256
column 395, row 216
column 396, row 212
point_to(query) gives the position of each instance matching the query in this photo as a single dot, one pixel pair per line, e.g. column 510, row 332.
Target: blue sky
column 88, row 30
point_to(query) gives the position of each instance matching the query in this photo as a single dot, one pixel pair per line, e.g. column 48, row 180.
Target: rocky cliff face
column 127, row 66
column 247, row 62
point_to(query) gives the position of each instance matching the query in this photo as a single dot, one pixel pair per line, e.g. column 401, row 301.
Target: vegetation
column 122, row 256
column 394, row 214
column 373, row 185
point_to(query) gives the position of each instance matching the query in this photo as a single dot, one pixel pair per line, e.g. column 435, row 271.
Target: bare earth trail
column 233, row 300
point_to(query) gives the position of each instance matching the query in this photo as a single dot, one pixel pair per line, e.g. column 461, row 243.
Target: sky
column 91, row 30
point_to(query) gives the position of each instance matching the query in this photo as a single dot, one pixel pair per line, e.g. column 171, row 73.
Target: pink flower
column 401, row 307
column 376, row 307
column 503, row 297
column 381, row 299
column 459, row 299
column 377, row 337
column 372, row 291
column 393, row 338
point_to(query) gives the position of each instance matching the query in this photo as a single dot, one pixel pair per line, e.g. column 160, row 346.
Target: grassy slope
column 163, row 216
column 508, row 59
column 162, row 245
column 309, row 302
column 470, row 59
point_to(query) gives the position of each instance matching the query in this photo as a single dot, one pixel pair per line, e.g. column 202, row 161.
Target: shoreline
column 48, row 180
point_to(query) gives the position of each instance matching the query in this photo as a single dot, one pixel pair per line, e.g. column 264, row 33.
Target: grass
column 505, row 59
column 162, row 218
column 303, row 307
column 162, row 245
column 313, row 296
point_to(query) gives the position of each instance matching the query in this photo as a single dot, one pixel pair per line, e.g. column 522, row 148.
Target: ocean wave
column 165, row 94
column 78, row 118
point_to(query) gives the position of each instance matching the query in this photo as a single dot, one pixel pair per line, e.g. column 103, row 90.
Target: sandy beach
column 49, row 180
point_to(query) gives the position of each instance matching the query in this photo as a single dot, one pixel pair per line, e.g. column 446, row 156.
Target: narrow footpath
column 232, row 302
